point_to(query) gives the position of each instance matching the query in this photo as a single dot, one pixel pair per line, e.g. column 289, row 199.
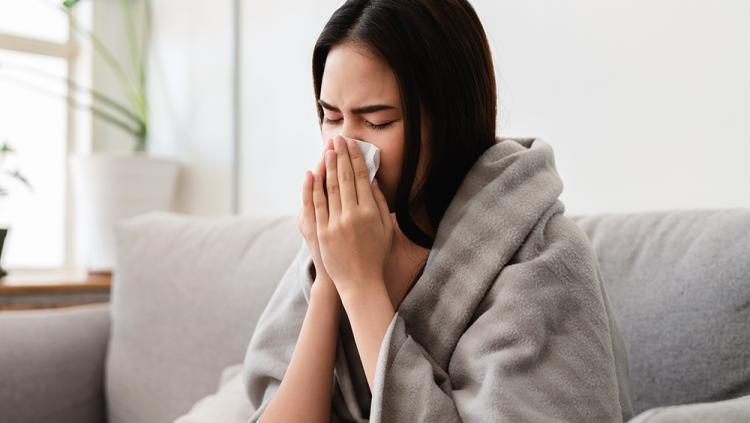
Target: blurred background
column 109, row 108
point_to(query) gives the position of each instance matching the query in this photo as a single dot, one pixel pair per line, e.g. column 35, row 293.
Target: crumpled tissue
column 371, row 154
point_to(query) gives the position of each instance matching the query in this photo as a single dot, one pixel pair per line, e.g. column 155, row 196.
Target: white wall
column 280, row 137
column 647, row 104
column 191, row 109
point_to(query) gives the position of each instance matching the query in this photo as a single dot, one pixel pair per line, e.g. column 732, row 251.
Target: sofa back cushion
column 679, row 283
column 187, row 292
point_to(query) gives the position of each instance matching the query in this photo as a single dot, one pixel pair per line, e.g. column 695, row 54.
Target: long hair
column 439, row 53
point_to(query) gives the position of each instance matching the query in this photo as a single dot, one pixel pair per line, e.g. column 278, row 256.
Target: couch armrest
column 52, row 364
column 736, row 410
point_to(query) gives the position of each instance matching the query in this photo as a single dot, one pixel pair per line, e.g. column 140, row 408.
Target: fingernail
column 329, row 155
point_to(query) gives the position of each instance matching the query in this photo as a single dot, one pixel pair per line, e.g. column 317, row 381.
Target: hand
column 307, row 225
column 354, row 228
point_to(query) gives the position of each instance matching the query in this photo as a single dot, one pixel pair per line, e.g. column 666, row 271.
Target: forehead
column 354, row 75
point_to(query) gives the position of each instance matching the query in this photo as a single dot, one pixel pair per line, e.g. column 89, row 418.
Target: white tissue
column 372, row 156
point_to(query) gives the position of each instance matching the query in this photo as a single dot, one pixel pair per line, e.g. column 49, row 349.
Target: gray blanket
column 509, row 321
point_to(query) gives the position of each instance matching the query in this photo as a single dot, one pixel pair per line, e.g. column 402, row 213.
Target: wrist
column 324, row 289
column 364, row 292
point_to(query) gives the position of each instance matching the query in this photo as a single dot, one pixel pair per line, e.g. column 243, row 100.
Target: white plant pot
column 109, row 187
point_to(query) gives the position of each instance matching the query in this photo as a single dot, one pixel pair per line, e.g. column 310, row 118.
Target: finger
column 306, row 191
column 361, row 174
column 308, row 207
column 345, row 174
column 332, row 185
column 321, row 169
column 327, row 146
column 319, row 202
column 382, row 204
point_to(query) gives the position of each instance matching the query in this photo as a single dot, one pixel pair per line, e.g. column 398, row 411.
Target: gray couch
column 188, row 290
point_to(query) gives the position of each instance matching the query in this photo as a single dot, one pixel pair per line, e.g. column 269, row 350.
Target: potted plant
column 7, row 175
column 111, row 186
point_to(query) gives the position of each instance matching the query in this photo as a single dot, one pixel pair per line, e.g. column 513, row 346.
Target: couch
column 187, row 292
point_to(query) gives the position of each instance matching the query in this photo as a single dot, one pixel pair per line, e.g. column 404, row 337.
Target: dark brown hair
column 440, row 56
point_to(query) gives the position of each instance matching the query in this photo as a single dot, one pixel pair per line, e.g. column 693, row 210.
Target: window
column 37, row 54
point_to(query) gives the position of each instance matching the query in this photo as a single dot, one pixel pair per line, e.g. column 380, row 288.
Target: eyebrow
column 359, row 110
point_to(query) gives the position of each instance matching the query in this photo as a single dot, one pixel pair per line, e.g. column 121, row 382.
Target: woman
column 452, row 288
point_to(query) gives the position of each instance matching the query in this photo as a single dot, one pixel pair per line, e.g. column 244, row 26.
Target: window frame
column 71, row 52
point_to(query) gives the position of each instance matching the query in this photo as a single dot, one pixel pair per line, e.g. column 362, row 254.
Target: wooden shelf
column 24, row 291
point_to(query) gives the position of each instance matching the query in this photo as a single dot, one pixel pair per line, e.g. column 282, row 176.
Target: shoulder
column 559, row 245
column 553, row 276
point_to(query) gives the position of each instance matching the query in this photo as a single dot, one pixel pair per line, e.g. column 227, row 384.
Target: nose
column 349, row 130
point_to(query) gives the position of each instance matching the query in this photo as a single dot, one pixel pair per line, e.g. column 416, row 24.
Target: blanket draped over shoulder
column 509, row 321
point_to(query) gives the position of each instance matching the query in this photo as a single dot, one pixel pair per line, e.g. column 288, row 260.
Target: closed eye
column 370, row 124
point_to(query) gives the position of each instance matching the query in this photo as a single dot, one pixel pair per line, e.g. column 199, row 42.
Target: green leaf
column 70, row 3
column 6, row 148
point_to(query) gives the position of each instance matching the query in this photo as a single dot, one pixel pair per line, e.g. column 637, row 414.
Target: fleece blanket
column 509, row 321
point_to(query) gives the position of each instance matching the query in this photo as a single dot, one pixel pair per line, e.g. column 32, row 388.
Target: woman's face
column 361, row 100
